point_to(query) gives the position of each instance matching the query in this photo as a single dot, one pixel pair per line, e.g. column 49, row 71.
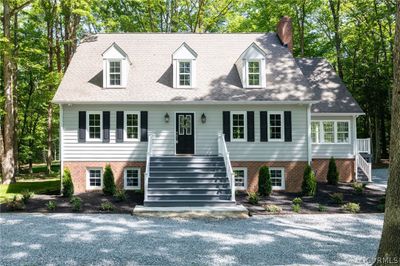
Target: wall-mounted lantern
column 166, row 117
column 203, row 118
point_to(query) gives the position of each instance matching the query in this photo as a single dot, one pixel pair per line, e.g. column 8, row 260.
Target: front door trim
column 194, row 129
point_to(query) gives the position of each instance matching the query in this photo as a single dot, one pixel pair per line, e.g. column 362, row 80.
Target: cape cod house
column 190, row 118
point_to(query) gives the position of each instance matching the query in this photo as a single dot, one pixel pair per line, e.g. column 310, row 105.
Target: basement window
column 277, row 178
column 132, row 178
column 94, row 178
column 240, row 178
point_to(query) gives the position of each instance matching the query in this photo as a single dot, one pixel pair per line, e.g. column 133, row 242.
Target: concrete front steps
column 188, row 181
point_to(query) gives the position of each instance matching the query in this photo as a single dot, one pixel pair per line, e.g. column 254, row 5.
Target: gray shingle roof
column 150, row 74
column 328, row 87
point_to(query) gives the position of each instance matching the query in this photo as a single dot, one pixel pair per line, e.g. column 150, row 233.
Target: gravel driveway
column 73, row 239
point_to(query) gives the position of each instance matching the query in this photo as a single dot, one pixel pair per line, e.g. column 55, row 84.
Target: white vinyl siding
column 321, row 148
column 131, row 178
column 164, row 134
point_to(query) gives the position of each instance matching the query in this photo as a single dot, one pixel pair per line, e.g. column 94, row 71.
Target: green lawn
column 48, row 186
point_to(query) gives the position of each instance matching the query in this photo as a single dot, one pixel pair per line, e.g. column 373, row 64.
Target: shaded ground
column 91, row 239
column 369, row 200
column 379, row 179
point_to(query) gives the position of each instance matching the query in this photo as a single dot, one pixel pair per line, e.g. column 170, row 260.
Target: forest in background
column 39, row 37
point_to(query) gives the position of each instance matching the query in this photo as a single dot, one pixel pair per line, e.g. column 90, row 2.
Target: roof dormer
column 184, row 67
column 251, row 67
column 115, row 67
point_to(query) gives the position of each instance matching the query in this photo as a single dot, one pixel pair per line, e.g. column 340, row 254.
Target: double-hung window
column 94, row 178
column 132, row 125
column 115, row 73
column 238, row 126
column 185, row 70
column 315, row 132
column 240, row 178
column 275, row 121
column 342, row 131
column 94, row 125
column 132, row 178
column 277, row 178
column 253, row 73
column 330, row 132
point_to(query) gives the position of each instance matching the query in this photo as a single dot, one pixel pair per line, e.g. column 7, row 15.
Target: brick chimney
column 284, row 30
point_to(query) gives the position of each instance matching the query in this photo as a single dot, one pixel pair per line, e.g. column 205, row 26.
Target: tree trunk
column 15, row 89
column 8, row 164
column 335, row 10
column 389, row 247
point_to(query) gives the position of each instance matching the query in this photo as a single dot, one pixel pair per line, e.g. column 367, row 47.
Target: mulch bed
column 369, row 200
column 90, row 203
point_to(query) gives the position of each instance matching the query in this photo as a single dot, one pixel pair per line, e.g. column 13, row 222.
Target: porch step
column 188, row 203
column 191, row 185
column 361, row 176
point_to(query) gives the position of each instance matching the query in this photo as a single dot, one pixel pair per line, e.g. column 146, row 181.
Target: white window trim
column 126, row 113
column 244, row 169
column 88, row 186
column 245, row 125
column 109, row 73
column 126, row 187
column 87, row 125
column 259, row 71
column 190, row 75
column 321, row 133
column 282, row 126
column 283, row 178
column 318, row 135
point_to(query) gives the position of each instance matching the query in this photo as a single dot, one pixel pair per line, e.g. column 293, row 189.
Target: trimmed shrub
column 309, row 185
column 108, row 181
column 264, row 182
column 358, row 187
column 297, row 201
column 351, row 207
column 337, row 197
column 16, row 204
column 273, row 208
column 51, row 205
column 120, row 195
column 68, row 186
column 26, row 195
column 107, row 206
column 322, row 208
column 333, row 174
column 253, row 198
column 76, row 203
column 296, row 208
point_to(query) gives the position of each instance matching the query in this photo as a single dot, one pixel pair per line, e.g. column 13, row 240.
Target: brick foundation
column 293, row 173
column 78, row 172
column 344, row 166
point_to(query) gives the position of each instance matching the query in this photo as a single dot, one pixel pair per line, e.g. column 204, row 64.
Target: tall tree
column 389, row 247
column 335, row 11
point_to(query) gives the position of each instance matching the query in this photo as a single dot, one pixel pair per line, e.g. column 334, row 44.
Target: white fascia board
column 193, row 102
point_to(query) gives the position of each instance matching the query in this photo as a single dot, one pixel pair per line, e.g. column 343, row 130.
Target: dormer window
column 184, row 67
column 185, row 73
column 115, row 67
column 251, row 67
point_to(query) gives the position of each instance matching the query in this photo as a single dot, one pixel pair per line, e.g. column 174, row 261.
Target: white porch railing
column 223, row 151
column 365, row 166
column 364, row 145
column 148, row 156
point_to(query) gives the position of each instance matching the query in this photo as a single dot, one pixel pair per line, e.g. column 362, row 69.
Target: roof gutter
column 191, row 102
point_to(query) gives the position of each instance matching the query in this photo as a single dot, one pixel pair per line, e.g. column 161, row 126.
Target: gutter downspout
column 309, row 142
column 61, row 146
column 355, row 148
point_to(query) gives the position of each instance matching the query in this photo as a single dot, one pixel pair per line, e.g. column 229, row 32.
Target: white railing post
column 147, row 173
column 364, row 145
column 223, row 151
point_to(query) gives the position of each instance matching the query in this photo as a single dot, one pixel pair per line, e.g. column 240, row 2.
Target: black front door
column 184, row 133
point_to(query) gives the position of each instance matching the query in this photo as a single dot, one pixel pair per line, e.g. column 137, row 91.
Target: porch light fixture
column 166, row 117
column 203, row 118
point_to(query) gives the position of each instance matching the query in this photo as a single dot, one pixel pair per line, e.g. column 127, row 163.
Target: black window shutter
column 250, row 126
column 288, row 126
column 226, row 117
column 120, row 126
column 82, row 126
column 106, row 126
column 143, row 126
column 263, row 126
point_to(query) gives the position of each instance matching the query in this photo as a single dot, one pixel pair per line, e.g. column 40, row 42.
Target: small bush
column 264, row 182
column 309, row 185
column 16, row 204
column 26, row 195
column 296, row 208
column 322, row 208
column 107, row 206
column 108, row 181
column 68, row 186
column 76, row 203
column 351, row 207
column 253, row 198
column 337, row 197
column 358, row 187
column 333, row 174
column 381, row 207
column 51, row 205
column 297, row 201
column 120, row 195
column 273, row 208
